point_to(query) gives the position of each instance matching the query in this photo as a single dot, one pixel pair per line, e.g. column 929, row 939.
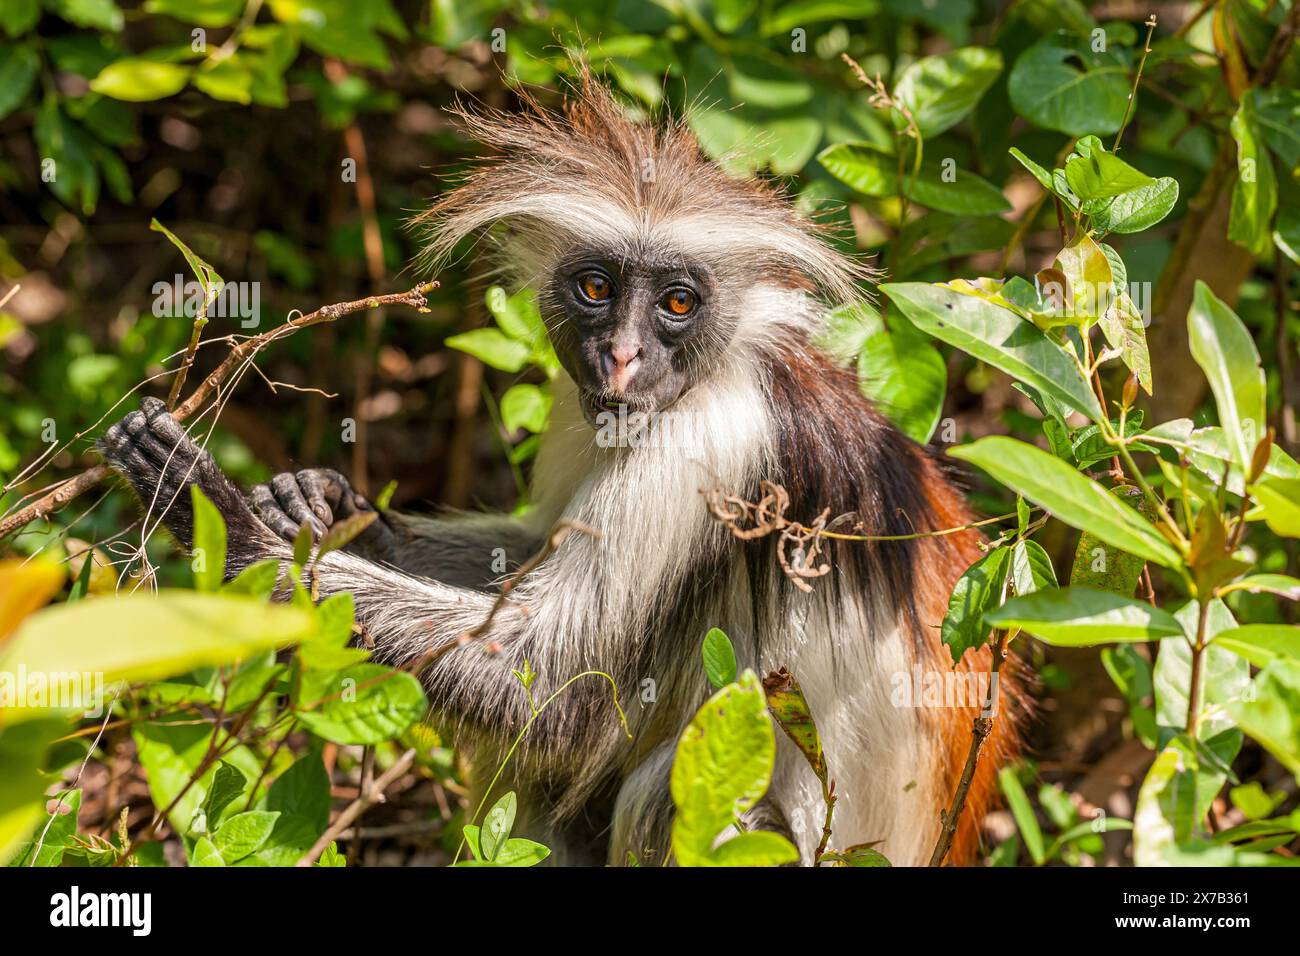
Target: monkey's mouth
column 600, row 409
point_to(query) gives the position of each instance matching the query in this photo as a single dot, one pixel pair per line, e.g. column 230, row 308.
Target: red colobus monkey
column 676, row 291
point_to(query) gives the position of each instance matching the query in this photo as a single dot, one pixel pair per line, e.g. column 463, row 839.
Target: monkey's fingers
column 268, row 509
column 155, row 453
column 292, row 503
column 324, row 490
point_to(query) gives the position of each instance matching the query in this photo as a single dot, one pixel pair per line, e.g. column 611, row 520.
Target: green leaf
column 137, row 80
column 1166, row 807
column 873, row 172
column 22, row 784
column 230, row 80
column 1091, row 284
column 1271, row 715
column 227, row 786
column 303, row 789
column 362, row 704
column 1277, row 115
column 1254, row 803
column 497, row 824
column 290, row 839
column 939, row 91
column 71, row 149
column 722, row 768
column 257, row 580
column 719, row 658
column 977, row 591
column 1254, row 194
column 1283, row 585
column 1131, row 673
column 1138, row 209
column 93, row 14
column 140, row 637
column 1031, row 568
column 170, row 752
column 301, row 551
column 1082, row 617
column 846, row 330
column 525, row 406
column 518, row 315
column 998, row 336
column 209, row 547
column 860, row 855
column 343, row 532
column 492, row 347
column 906, row 377
column 1261, row 644
column 515, row 852
column 205, row 853
column 789, row 708
column 1064, row 85
column 1089, row 446
column 1106, row 568
column 19, row 65
column 1225, row 351
column 762, row 82
column 1125, row 329
column 1286, row 234
column 204, row 273
column 1102, row 175
column 1224, row 675
column 244, row 834
column 1074, row 498
column 55, row 835
column 1023, row 812
column 19, row 16
column 1279, row 503
column 1041, row 174
column 1210, row 450
column 756, row 848
column 206, row 13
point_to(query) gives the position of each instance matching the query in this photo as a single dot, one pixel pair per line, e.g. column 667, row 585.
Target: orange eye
column 679, row 302
column 596, row 287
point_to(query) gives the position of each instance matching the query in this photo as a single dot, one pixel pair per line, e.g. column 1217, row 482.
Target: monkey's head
column 654, row 268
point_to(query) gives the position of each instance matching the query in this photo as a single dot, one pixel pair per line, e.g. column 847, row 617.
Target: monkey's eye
column 595, row 286
column 679, row 302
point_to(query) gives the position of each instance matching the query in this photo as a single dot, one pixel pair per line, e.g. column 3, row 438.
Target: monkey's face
column 632, row 332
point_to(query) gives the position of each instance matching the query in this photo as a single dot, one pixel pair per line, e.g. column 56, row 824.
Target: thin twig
column 68, row 490
column 1132, row 96
column 980, row 731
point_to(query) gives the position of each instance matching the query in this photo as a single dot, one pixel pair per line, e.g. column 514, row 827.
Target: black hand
column 317, row 498
column 153, row 451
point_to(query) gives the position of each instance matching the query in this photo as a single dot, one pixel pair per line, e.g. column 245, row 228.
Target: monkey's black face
column 632, row 332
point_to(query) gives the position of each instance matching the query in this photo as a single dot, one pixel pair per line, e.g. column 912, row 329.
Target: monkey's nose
column 619, row 365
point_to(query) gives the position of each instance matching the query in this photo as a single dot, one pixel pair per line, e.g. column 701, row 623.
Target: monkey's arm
column 471, row 550
column 410, row 618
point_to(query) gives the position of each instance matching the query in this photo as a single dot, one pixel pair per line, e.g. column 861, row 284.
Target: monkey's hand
column 317, row 498
column 157, row 456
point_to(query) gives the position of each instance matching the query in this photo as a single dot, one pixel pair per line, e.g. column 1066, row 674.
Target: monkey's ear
column 152, row 451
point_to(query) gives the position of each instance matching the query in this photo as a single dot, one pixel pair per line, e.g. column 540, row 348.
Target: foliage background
column 238, row 149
